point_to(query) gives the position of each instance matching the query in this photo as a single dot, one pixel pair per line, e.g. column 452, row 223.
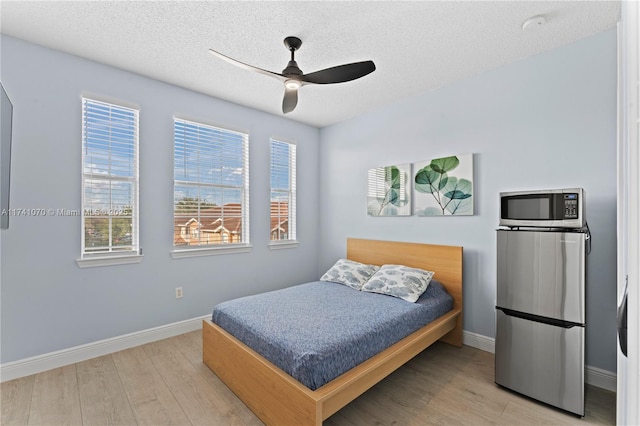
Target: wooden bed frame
column 278, row 399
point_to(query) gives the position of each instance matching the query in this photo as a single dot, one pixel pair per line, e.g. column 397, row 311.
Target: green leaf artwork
column 389, row 193
column 444, row 186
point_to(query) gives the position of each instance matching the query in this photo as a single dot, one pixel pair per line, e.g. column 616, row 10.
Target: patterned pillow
column 399, row 281
column 350, row 273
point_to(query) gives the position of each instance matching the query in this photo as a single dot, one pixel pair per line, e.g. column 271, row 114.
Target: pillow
column 399, row 281
column 349, row 273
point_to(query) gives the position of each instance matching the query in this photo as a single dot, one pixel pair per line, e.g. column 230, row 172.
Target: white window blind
column 283, row 191
column 211, row 185
column 109, row 179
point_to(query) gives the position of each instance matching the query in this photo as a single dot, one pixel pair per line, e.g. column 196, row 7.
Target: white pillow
column 349, row 273
column 399, row 281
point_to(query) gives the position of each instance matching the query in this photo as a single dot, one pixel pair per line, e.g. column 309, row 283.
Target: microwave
column 555, row 208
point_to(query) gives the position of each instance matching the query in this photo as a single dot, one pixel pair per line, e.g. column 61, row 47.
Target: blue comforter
column 317, row 331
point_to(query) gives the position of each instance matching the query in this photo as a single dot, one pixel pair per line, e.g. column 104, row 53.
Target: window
column 283, row 191
column 211, row 186
column 109, row 179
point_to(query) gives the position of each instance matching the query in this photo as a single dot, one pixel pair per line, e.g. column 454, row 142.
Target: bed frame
column 278, row 399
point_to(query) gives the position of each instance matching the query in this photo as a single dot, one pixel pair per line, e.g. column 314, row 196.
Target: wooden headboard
column 445, row 261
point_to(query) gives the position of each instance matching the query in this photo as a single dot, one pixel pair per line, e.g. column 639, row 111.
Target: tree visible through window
column 283, row 191
column 211, row 185
column 109, row 178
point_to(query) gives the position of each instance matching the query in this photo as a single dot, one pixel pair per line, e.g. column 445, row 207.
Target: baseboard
column 594, row 376
column 487, row 344
column 39, row 363
column 601, row 378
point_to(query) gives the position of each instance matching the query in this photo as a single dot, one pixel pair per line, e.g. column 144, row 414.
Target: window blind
column 110, row 178
column 283, row 191
column 211, row 185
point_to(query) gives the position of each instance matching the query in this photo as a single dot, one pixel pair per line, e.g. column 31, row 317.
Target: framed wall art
column 389, row 191
column 444, row 186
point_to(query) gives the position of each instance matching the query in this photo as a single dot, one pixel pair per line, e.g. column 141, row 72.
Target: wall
column 544, row 122
column 548, row 121
column 47, row 302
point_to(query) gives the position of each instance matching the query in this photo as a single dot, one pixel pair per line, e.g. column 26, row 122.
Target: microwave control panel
column 570, row 206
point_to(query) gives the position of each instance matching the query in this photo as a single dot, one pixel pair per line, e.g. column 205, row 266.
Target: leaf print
column 439, row 192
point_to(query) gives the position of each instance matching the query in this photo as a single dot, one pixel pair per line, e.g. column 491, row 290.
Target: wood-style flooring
column 165, row 382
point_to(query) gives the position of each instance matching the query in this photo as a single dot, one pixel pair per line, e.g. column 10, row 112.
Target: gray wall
column 545, row 122
column 47, row 302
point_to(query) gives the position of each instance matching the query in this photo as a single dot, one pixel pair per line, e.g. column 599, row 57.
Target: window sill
column 210, row 251
column 93, row 262
column 285, row 244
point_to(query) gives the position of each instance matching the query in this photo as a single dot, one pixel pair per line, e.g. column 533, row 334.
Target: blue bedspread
column 317, row 331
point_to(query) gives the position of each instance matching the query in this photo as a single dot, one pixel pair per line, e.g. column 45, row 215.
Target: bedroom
column 567, row 107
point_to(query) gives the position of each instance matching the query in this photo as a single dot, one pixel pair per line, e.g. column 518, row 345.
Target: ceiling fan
column 294, row 78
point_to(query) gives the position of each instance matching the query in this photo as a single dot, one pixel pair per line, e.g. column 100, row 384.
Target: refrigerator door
column 542, row 273
column 542, row 361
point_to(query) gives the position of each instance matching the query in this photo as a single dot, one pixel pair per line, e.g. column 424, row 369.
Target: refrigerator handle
column 537, row 318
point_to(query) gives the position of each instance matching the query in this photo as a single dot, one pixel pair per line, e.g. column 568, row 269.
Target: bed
column 277, row 398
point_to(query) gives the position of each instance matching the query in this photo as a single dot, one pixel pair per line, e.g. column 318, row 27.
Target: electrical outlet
column 178, row 292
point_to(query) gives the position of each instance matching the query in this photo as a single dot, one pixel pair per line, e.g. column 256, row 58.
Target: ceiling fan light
column 292, row 84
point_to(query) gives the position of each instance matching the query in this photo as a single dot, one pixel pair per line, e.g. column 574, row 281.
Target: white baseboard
column 594, row 376
column 39, row 363
column 601, row 378
column 487, row 344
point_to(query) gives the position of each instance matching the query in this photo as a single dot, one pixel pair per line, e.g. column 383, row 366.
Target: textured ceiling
column 417, row 46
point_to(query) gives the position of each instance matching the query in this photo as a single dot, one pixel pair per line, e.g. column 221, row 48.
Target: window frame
column 112, row 256
column 205, row 249
column 290, row 194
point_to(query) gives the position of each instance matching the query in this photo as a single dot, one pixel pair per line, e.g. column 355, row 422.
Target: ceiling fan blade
column 340, row 74
column 290, row 100
column 245, row 66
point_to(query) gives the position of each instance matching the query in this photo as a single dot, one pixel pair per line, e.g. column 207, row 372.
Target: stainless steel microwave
column 555, row 208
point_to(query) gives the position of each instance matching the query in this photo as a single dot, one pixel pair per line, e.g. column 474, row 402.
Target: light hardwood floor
column 166, row 383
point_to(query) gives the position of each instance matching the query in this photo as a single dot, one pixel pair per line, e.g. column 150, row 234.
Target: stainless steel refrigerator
column 540, row 328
